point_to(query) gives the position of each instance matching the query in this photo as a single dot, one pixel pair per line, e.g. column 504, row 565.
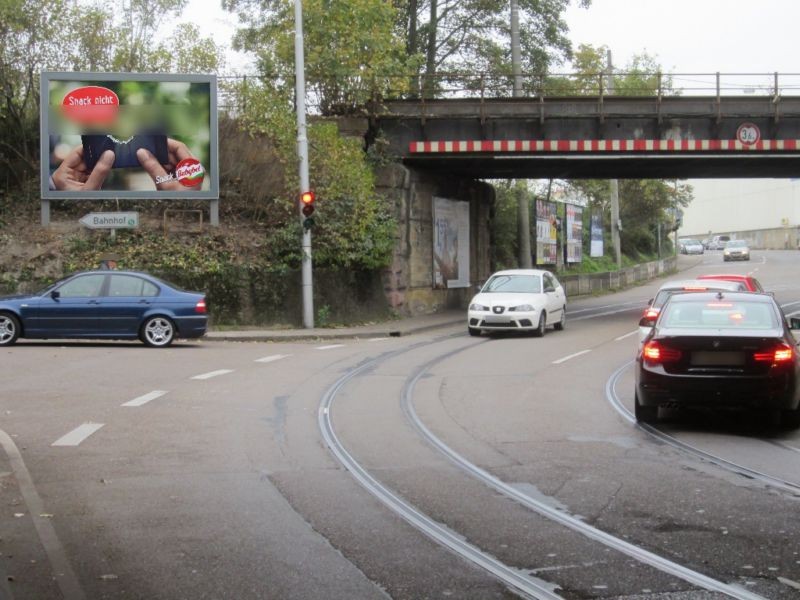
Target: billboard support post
column 302, row 156
column 214, row 213
column 45, row 213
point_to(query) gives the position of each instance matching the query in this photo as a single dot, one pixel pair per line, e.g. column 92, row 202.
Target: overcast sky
column 686, row 36
column 694, row 36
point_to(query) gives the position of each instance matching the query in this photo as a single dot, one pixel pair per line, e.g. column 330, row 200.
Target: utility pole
column 520, row 188
column 615, row 222
column 302, row 156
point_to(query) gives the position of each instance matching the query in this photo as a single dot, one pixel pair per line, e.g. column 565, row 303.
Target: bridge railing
column 476, row 85
column 455, row 84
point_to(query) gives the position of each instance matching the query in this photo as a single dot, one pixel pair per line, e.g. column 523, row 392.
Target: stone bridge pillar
column 409, row 281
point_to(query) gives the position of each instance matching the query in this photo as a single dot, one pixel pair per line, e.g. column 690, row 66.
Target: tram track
column 723, row 463
column 510, row 576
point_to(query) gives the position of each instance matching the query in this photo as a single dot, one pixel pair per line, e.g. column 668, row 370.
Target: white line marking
column 571, row 356
column 141, row 400
column 273, row 358
column 633, row 302
column 331, row 347
column 77, row 435
column 627, row 335
column 789, row 582
column 213, row 374
column 378, row 339
column 60, row 565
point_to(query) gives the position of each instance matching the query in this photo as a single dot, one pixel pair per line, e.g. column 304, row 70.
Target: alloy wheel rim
column 159, row 332
column 6, row 329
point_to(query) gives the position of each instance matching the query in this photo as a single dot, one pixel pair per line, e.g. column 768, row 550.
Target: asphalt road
column 430, row 466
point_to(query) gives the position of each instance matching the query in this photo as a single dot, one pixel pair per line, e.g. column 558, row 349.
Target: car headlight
column 478, row 307
column 726, row 252
column 522, row 308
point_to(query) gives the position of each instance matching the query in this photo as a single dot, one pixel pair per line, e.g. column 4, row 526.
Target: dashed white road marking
column 141, row 400
column 271, row 358
column 380, row 339
column 789, row 582
column 213, row 374
column 331, row 347
column 570, row 357
column 627, row 335
column 77, row 435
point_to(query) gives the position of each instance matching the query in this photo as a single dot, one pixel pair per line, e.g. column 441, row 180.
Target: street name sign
column 113, row 220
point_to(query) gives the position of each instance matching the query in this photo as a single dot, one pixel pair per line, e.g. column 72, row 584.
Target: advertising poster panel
column 546, row 233
column 450, row 243
column 574, row 233
column 596, row 249
column 128, row 135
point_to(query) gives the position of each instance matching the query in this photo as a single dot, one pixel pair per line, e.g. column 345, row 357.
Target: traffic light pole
column 302, row 155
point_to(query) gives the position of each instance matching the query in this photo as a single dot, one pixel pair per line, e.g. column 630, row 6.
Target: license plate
column 497, row 319
column 717, row 358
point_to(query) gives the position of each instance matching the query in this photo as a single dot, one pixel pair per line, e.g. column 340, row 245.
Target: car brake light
column 780, row 354
column 651, row 314
column 655, row 353
column 694, row 288
column 200, row 307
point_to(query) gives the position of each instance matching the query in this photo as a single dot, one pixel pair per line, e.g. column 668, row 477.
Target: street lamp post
column 302, row 156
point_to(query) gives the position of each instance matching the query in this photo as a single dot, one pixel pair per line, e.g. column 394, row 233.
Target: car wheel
column 539, row 331
column 562, row 322
column 9, row 329
column 644, row 414
column 158, row 332
column 474, row 331
column 791, row 418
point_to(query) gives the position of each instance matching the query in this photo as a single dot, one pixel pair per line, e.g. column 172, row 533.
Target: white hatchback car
column 518, row 300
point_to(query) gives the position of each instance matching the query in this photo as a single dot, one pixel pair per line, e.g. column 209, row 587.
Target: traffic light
column 307, row 202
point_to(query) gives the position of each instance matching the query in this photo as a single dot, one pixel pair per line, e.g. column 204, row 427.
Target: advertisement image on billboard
column 546, row 233
column 450, row 243
column 128, row 135
column 574, row 233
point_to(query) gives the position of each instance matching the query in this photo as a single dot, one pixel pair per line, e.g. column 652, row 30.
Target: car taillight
column 655, row 353
column 200, row 307
column 780, row 354
column 651, row 314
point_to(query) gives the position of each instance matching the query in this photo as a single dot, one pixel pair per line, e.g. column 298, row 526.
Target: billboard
column 450, row 243
column 574, row 233
column 129, row 135
column 596, row 249
column 546, row 232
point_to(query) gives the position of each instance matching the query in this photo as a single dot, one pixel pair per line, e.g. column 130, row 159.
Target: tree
column 463, row 39
column 352, row 51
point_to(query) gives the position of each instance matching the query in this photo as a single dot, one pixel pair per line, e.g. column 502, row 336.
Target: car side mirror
column 55, row 294
column 646, row 322
column 650, row 302
column 794, row 322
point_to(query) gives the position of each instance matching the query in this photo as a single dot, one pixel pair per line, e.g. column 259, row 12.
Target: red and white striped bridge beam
column 599, row 146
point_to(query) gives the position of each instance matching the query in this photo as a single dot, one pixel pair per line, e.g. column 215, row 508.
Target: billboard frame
column 212, row 169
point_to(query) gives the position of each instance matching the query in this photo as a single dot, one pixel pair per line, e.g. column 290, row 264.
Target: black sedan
column 719, row 350
column 105, row 305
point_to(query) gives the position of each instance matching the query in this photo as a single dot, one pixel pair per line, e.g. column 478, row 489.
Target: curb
column 300, row 335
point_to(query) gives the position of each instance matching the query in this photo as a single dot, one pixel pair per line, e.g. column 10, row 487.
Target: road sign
column 114, row 220
column 748, row 134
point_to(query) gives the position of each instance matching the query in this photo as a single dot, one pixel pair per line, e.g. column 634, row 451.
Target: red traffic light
column 307, row 198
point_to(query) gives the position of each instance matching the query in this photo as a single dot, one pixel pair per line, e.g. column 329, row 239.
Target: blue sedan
column 105, row 305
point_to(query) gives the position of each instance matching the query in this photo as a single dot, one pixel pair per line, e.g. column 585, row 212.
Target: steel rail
column 766, row 479
column 640, row 554
column 513, row 578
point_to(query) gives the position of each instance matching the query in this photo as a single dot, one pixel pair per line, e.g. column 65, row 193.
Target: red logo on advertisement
column 91, row 105
column 189, row 172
